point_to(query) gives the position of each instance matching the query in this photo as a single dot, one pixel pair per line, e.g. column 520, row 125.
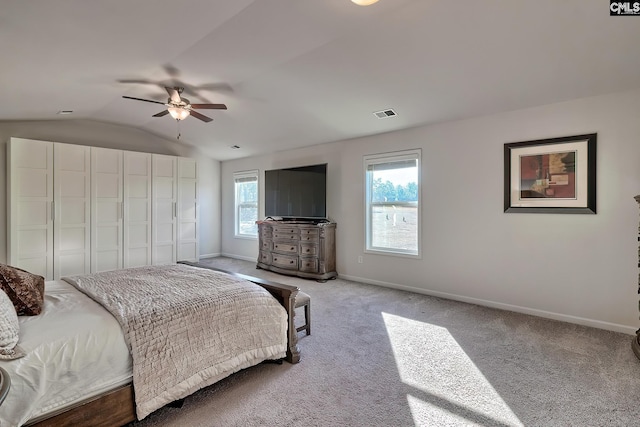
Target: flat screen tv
column 296, row 193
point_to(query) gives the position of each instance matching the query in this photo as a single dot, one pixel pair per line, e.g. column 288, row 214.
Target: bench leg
column 307, row 317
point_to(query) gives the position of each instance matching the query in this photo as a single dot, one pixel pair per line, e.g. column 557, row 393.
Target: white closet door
column 107, row 208
column 30, row 199
column 137, row 209
column 188, row 248
column 71, row 225
column 165, row 183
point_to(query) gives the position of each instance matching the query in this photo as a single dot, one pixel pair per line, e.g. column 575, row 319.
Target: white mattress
column 75, row 350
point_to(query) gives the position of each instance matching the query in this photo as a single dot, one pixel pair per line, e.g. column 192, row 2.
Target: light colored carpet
column 384, row 357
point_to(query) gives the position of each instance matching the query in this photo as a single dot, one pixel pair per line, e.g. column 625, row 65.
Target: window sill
column 393, row 253
column 245, row 237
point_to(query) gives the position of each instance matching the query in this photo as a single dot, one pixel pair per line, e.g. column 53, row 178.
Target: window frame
column 391, row 157
column 238, row 177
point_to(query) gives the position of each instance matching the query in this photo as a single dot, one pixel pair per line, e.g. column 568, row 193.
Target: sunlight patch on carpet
column 449, row 388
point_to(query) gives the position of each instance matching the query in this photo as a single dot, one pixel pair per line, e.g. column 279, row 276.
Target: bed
column 84, row 366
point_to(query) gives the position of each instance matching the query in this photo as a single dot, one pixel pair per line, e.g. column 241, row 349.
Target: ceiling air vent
column 385, row 113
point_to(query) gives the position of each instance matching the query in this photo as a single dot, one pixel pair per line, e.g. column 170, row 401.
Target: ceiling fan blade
column 209, row 106
column 201, row 116
column 215, row 87
column 161, row 113
column 136, row 81
column 145, row 100
column 173, row 94
column 171, row 70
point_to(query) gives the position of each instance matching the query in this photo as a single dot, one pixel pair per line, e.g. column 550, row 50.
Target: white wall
column 99, row 134
column 578, row 268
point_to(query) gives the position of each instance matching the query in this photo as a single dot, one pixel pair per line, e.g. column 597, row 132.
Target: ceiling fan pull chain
column 178, row 121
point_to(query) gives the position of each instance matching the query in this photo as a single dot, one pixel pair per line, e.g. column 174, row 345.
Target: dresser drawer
column 309, row 265
column 285, row 236
column 285, row 261
column 309, row 237
column 287, row 247
column 265, row 245
column 285, row 230
column 264, row 257
column 308, row 232
column 308, row 249
column 265, row 232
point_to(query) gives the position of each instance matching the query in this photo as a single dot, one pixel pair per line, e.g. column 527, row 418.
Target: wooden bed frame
column 117, row 407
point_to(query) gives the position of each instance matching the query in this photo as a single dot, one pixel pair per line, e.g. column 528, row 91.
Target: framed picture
column 556, row 175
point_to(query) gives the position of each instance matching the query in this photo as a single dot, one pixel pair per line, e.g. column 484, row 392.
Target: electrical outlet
column 360, row 259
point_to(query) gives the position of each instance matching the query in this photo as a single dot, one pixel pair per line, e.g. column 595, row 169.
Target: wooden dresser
column 298, row 248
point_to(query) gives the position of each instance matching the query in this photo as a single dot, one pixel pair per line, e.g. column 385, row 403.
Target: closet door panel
column 139, row 214
column 137, row 257
column 188, row 232
column 187, row 210
column 72, row 192
column 34, row 182
column 72, row 239
column 139, row 234
column 138, row 187
column 107, row 204
column 109, row 184
column 165, row 187
column 33, row 213
column 74, row 211
column 30, row 202
column 32, row 242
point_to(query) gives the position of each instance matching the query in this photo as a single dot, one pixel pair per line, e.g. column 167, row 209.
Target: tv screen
column 296, row 192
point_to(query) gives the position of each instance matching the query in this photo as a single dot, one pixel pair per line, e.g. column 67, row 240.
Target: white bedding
column 48, row 377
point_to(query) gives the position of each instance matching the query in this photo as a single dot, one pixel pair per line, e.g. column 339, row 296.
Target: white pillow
column 9, row 329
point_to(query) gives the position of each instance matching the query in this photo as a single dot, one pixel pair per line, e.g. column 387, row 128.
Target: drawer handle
column 308, row 250
column 293, row 248
column 291, row 262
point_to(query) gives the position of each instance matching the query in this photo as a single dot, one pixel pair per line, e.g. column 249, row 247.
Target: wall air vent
column 385, row 114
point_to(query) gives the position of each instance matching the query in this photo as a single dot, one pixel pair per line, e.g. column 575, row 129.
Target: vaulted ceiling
column 301, row 72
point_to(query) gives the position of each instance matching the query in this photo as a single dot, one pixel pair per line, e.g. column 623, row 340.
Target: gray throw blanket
column 187, row 327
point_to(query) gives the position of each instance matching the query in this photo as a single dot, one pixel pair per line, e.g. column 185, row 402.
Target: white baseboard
column 502, row 306
column 204, row 256
column 242, row 257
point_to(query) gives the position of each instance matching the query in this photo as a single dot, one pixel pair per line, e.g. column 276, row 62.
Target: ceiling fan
column 180, row 108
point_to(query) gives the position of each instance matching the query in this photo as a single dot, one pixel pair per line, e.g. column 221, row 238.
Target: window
column 393, row 203
column 246, row 194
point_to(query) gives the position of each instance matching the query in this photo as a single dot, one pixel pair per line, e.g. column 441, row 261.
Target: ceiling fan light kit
column 178, row 113
column 364, row 2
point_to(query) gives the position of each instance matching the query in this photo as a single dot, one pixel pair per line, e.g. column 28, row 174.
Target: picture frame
column 556, row 175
